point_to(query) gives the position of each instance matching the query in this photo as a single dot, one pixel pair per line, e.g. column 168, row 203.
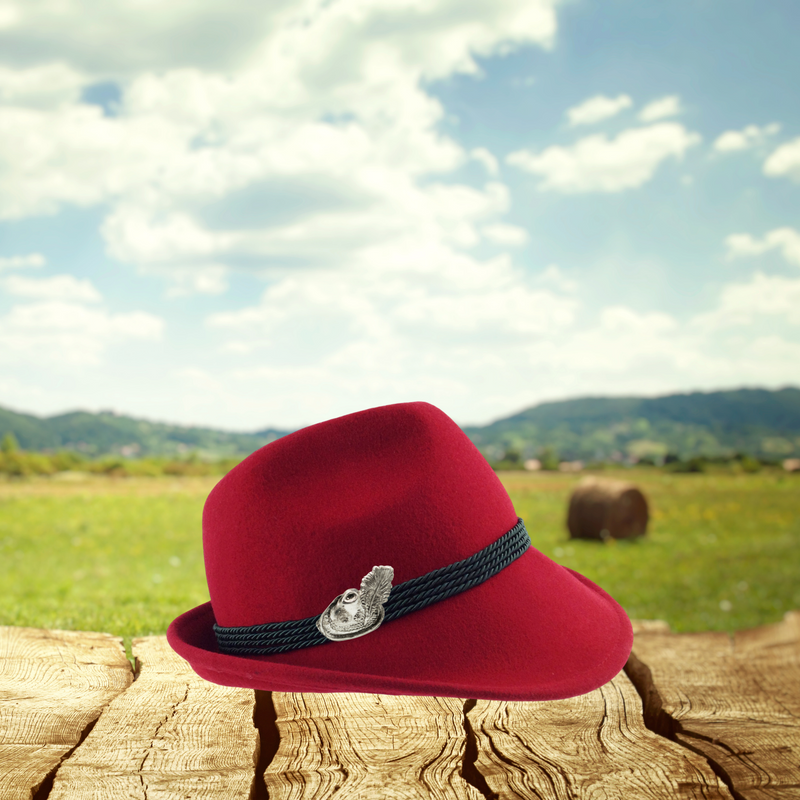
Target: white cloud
column 43, row 86
column 384, row 206
column 487, row 159
column 116, row 38
column 323, row 103
column 198, row 279
column 34, row 260
column 334, row 345
column 553, row 276
column 787, row 240
column 766, row 357
column 511, row 235
column 608, row 352
column 511, row 310
column 340, row 38
column 9, row 16
column 669, row 106
column 64, row 334
column 305, row 147
column 65, row 288
column 740, row 304
column 399, row 302
column 143, row 236
column 597, row 164
column 626, row 321
column 598, row 108
column 785, row 161
column 744, row 139
column 418, row 327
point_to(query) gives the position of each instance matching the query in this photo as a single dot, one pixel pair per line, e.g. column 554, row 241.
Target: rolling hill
column 107, row 432
column 760, row 422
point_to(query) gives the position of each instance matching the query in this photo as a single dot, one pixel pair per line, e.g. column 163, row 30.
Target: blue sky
column 212, row 213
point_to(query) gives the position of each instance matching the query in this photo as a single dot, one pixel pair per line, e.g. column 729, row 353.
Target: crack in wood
column 46, row 786
column 54, row 685
column 154, row 738
column 719, row 771
column 368, row 746
column 603, row 723
column 269, row 739
column 583, row 748
column 665, row 725
column 655, row 718
column 469, row 770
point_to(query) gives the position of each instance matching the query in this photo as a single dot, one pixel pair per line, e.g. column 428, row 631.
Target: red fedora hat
column 378, row 552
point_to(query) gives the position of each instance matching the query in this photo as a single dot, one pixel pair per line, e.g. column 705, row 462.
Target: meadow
column 124, row 555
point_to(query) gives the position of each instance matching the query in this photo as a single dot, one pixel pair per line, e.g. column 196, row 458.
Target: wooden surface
column 592, row 746
column 735, row 700
column 53, row 686
column 364, row 746
column 721, row 719
column 171, row 735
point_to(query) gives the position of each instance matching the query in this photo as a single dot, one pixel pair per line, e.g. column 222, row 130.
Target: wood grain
column 368, row 746
column 734, row 699
column 53, row 686
column 592, row 746
column 171, row 735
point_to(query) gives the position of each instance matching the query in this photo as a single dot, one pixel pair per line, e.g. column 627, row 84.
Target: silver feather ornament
column 375, row 589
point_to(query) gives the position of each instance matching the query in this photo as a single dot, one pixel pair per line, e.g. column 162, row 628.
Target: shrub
column 748, row 464
column 549, row 459
column 66, row 460
column 694, row 464
column 14, row 464
column 9, row 444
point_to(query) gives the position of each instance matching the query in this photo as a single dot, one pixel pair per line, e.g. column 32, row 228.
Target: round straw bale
column 601, row 508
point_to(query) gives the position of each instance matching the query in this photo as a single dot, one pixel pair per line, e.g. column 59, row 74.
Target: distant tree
column 9, row 444
column 694, row 464
column 513, row 456
column 748, row 463
column 549, row 458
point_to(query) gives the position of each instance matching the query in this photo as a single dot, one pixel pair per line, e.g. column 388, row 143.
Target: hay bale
column 601, row 508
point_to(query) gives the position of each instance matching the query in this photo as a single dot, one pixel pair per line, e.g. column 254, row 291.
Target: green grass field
column 125, row 555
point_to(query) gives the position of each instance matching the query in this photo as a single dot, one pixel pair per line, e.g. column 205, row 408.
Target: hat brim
column 534, row 631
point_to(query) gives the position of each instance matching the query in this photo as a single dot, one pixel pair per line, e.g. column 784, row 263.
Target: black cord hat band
column 411, row 595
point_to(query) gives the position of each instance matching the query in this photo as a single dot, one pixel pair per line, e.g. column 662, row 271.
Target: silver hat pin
column 358, row 612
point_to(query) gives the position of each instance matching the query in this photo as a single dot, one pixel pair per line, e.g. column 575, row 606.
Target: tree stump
column 717, row 720
column 734, row 700
column 601, row 508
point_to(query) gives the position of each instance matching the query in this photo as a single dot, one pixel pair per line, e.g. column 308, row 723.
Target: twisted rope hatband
column 412, row 595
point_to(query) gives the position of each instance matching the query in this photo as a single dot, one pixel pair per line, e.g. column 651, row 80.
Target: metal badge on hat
column 358, row 612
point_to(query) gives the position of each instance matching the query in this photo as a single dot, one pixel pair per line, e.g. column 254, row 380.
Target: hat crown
column 304, row 518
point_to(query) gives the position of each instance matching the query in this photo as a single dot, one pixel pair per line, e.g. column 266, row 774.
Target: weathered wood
column 592, row 746
column 367, row 746
column 171, row 735
column 731, row 703
column 53, row 686
column 735, row 699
